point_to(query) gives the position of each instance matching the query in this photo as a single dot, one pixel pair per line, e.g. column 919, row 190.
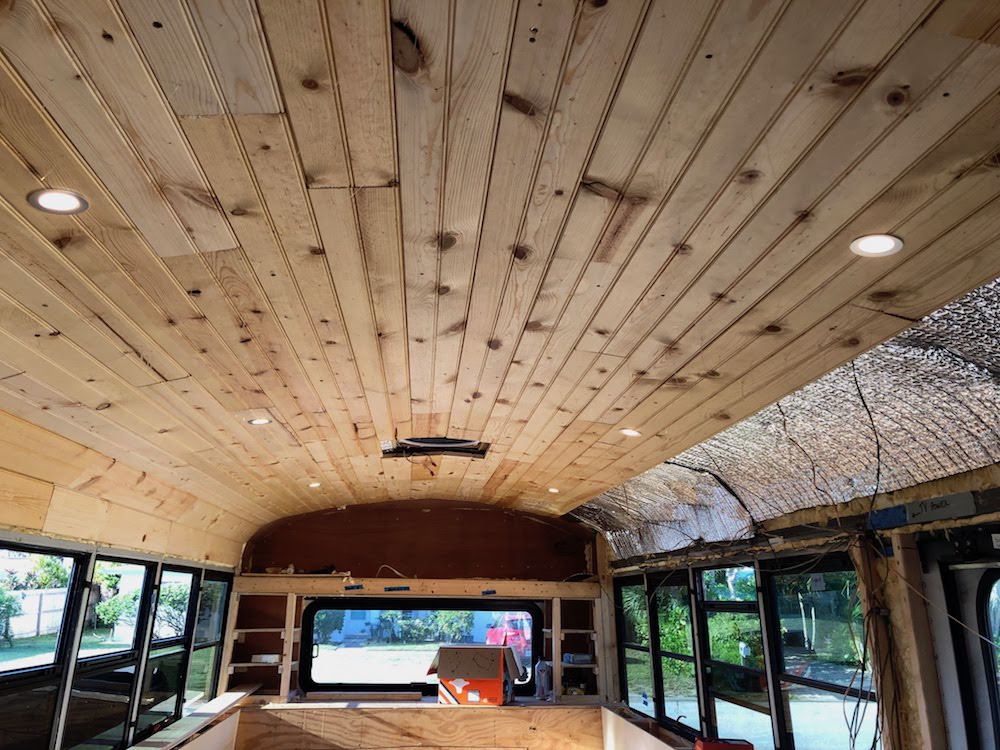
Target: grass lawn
column 40, row 650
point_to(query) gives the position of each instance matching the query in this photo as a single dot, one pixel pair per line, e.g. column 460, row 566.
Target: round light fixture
column 259, row 421
column 554, row 490
column 876, row 245
column 313, row 485
column 629, row 432
column 58, row 201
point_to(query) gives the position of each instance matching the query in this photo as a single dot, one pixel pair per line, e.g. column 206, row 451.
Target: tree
column 450, row 626
column 327, row 622
column 10, row 607
column 50, row 573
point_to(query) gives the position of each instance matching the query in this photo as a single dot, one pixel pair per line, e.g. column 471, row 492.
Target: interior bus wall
column 425, row 540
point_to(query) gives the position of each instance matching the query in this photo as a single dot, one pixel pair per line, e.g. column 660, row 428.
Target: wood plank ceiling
column 532, row 223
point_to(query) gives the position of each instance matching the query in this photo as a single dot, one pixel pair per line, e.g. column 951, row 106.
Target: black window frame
column 219, row 643
column 765, row 607
column 710, row 666
column 647, row 649
column 411, row 603
column 52, row 675
column 183, row 641
column 74, row 590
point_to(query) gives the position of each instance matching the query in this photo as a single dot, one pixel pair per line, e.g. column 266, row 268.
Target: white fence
column 41, row 612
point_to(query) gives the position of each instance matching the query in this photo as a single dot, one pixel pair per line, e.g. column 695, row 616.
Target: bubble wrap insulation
column 934, row 392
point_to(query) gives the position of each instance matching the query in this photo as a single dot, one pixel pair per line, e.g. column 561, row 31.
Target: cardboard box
column 476, row 675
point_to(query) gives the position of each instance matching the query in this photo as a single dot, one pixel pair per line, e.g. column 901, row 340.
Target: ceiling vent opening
column 422, row 446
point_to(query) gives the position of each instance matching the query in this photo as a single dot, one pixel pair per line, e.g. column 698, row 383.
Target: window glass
column 822, row 630
column 396, row 647
column 673, row 608
column 161, row 687
column 34, row 592
column 739, row 722
column 200, row 684
column 112, row 613
column 172, row 604
column 735, row 638
column 635, row 615
column 729, row 584
column 747, row 688
column 822, row 720
column 99, row 708
column 639, row 681
column 211, row 609
column 26, row 717
column 680, row 691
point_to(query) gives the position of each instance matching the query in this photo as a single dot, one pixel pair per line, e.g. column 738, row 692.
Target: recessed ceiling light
column 58, row 201
column 259, row 420
column 313, row 485
column 876, row 245
column 629, row 432
column 554, row 490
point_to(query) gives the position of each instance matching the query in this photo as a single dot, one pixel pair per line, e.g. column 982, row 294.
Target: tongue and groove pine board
column 527, row 224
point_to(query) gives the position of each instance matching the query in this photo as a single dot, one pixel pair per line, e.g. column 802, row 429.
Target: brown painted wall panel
column 425, row 540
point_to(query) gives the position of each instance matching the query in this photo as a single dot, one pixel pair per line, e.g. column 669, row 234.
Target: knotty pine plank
column 787, row 52
column 601, row 46
column 298, row 44
column 259, row 184
column 420, row 73
column 338, row 228
column 359, row 40
column 481, row 52
column 27, row 42
column 530, row 90
column 165, row 31
column 237, row 54
column 105, row 52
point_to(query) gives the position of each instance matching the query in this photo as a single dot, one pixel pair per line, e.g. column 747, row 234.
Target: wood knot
column 62, row 242
column 882, row 296
column 477, row 394
column 724, row 416
column 102, row 406
column 803, row 216
column 534, row 325
column 773, row 328
column 712, row 374
column 722, row 297
column 853, row 342
column 107, row 37
column 896, row 97
column 598, row 3
column 677, row 380
column 447, row 241
column 519, row 103
column 443, row 289
column 406, row 53
column 851, row 78
column 238, row 212
column 683, row 249
column 494, row 344
column 749, row 176
column 194, row 292
column 310, row 83
column 521, row 252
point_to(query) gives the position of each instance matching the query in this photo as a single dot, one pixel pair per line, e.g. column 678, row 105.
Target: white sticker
column 996, row 540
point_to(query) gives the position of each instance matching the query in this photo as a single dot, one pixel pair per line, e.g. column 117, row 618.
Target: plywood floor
column 532, row 223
